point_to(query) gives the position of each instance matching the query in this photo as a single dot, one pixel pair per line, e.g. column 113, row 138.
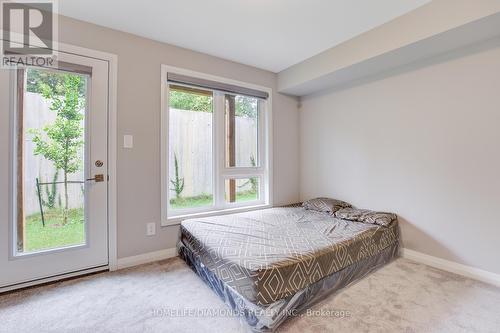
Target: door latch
column 97, row 178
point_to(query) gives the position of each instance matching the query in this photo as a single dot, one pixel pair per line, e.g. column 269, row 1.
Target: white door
column 53, row 170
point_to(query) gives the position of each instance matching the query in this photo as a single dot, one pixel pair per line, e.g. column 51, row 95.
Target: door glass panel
column 50, row 150
column 190, row 148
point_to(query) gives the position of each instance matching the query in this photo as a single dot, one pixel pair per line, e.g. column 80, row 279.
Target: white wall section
column 421, row 141
column 438, row 27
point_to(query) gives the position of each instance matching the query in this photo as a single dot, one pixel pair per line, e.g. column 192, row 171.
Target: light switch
column 151, row 229
column 128, row 141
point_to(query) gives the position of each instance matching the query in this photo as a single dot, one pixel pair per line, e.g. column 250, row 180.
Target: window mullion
column 237, row 172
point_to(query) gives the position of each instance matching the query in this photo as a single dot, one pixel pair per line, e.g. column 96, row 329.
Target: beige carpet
column 401, row 297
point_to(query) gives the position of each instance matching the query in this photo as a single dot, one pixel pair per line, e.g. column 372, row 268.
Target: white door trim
column 112, row 60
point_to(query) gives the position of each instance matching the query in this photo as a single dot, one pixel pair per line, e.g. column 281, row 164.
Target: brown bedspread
column 270, row 254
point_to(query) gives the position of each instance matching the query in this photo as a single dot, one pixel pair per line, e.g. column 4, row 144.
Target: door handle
column 97, row 178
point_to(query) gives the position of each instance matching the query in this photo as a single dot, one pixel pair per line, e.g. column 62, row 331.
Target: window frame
column 220, row 171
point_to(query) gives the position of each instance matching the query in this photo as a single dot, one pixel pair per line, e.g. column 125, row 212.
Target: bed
column 273, row 263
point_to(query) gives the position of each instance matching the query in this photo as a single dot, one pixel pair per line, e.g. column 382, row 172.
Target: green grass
column 246, row 196
column 54, row 234
column 191, row 202
column 207, row 199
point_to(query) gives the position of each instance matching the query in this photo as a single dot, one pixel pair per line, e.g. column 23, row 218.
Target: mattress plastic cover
column 270, row 254
column 267, row 317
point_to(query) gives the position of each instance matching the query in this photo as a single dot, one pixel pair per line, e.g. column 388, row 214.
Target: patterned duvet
column 270, row 254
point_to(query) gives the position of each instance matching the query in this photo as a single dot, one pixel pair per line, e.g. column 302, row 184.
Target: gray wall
column 139, row 63
column 423, row 142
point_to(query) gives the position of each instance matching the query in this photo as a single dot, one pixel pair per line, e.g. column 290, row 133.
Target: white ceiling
column 268, row 34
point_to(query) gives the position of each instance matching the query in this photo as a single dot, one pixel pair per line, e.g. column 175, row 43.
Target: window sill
column 176, row 220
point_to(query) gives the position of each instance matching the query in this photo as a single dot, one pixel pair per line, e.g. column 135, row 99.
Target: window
column 216, row 149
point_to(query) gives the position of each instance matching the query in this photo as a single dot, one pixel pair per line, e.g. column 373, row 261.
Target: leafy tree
column 61, row 141
column 177, row 182
column 245, row 106
column 37, row 80
column 188, row 101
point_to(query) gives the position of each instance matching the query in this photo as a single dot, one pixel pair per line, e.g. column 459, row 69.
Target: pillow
column 366, row 216
column 325, row 205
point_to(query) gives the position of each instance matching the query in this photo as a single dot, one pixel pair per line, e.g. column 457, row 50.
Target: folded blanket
column 366, row 216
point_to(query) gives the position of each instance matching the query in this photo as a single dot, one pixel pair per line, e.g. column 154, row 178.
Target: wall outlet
column 151, row 229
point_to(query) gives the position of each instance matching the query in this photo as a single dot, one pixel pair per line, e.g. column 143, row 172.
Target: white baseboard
column 453, row 267
column 445, row 265
column 146, row 258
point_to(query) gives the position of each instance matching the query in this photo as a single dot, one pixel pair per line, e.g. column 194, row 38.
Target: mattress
column 270, row 254
column 268, row 317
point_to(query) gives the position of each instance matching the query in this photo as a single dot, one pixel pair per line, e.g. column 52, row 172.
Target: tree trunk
column 66, row 205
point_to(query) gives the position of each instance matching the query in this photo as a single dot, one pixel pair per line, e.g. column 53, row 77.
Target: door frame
column 112, row 60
